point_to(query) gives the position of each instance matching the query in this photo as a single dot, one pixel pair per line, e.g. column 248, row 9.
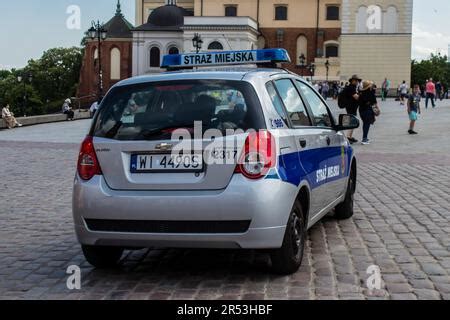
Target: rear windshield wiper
column 148, row 133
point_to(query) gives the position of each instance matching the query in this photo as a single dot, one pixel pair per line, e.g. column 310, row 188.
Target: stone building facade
column 368, row 37
column 307, row 27
column 380, row 47
column 312, row 26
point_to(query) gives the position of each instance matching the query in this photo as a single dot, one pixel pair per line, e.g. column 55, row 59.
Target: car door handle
column 328, row 141
column 302, row 143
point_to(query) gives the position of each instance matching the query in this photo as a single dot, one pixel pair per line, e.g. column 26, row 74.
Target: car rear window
column 150, row 111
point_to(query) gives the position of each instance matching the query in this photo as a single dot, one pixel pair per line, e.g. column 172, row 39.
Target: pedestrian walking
column 9, row 118
column 430, row 93
column 348, row 100
column 423, row 89
column 325, row 90
column 367, row 103
column 385, row 87
column 403, row 92
column 439, row 90
column 67, row 109
column 317, row 87
column 414, row 108
column 336, row 90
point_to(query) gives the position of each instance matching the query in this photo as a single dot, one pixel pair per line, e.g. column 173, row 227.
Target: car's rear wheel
column 288, row 258
column 102, row 257
column 345, row 209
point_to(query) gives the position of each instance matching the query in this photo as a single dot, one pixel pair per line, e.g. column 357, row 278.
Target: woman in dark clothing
column 367, row 100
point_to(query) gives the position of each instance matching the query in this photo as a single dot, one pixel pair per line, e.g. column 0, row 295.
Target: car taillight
column 88, row 165
column 258, row 156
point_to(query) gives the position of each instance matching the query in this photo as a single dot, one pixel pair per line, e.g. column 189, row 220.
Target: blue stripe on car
column 297, row 166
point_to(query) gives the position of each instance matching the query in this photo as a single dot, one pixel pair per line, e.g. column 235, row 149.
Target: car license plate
column 147, row 163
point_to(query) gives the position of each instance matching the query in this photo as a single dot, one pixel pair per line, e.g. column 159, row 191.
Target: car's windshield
column 153, row 110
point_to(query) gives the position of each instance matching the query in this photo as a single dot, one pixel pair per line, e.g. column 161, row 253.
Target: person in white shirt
column 403, row 92
column 9, row 118
column 94, row 107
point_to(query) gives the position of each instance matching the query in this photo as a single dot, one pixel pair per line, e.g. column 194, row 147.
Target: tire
column 102, row 257
column 345, row 209
column 288, row 259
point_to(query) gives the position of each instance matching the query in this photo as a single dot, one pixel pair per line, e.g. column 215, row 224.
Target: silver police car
column 212, row 158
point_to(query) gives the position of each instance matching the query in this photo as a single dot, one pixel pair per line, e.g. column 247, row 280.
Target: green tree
column 57, row 73
column 435, row 67
column 55, row 78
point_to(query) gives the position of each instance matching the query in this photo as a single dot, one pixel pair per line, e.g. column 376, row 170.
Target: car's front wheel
column 102, row 257
column 288, row 258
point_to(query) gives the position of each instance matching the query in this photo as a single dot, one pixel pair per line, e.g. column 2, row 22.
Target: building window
column 332, row 51
column 391, row 20
column 332, row 12
column 280, row 36
column 115, row 64
column 302, row 49
column 281, row 12
column 230, row 11
column 361, row 20
column 215, row 45
column 155, row 57
column 174, row 50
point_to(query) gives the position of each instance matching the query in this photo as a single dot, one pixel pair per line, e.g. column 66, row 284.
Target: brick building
column 115, row 56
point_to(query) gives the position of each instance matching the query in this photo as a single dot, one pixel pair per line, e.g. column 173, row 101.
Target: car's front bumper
column 266, row 203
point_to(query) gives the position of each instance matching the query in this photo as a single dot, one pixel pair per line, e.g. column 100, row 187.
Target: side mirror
column 347, row 122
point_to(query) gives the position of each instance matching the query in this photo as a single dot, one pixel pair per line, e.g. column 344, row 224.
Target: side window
column 276, row 101
column 318, row 107
column 293, row 102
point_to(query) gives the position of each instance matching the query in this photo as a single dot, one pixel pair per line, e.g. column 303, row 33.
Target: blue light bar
column 224, row 58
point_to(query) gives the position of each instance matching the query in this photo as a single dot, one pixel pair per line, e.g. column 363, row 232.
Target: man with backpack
column 348, row 100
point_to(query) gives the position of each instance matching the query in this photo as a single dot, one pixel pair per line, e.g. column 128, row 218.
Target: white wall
column 144, row 41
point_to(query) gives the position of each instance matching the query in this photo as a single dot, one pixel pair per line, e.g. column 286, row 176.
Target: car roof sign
column 224, row 58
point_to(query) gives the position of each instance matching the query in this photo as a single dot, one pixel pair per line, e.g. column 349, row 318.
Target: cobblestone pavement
column 401, row 224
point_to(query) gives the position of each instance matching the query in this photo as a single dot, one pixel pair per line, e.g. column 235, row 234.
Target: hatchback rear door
column 139, row 128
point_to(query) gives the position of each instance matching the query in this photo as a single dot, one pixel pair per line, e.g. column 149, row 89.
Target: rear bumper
column 266, row 204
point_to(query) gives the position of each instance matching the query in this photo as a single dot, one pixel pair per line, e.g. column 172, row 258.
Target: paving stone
column 433, row 269
column 403, row 296
column 398, row 288
column 401, row 224
column 426, row 294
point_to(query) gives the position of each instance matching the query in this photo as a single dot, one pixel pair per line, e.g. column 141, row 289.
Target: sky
column 29, row 27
